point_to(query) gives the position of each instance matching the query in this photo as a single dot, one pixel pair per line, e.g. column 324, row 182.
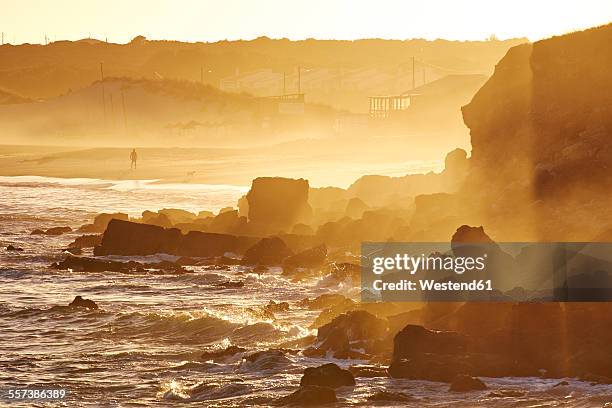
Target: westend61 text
column 431, row 285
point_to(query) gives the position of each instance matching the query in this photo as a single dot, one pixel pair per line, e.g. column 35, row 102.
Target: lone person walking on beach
column 133, row 158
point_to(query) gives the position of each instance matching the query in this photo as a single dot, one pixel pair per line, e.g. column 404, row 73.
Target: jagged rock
column 82, row 264
column 74, row 251
column 273, row 307
column 327, row 375
column 14, row 248
column 310, row 395
column 560, row 384
column 153, row 218
column 129, row 238
column 311, row 258
column 101, row 222
column 358, row 325
column 463, row 383
column 268, row 251
column 177, row 216
column 86, row 241
column 227, row 222
column 302, row 229
column 355, row 208
column 277, row 203
column 339, row 336
column 58, row 230
column 219, row 355
column 52, row 231
column 80, row 302
column 325, row 301
column 414, row 340
column 389, row 396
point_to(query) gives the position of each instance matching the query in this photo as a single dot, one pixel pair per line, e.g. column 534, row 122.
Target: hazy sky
column 212, row 20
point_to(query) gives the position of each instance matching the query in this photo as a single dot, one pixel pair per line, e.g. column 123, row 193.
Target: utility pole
column 103, row 96
column 413, row 84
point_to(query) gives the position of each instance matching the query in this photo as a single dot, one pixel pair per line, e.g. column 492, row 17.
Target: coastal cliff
column 540, row 132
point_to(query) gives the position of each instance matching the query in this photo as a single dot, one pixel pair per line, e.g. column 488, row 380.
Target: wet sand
column 322, row 162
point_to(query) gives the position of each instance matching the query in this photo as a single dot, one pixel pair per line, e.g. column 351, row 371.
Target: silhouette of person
column 133, row 158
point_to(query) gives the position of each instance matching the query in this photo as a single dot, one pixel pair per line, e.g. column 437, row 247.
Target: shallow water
column 143, row 347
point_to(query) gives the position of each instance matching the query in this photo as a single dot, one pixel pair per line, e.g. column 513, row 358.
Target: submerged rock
column 14, row 248
column 58, row 230
column 505, row 394
column 327, row 375
column 51, row 231
column 310, row 395
column 389, row 396
column 368, row 371
column 80, row 302
column 219, row 355
column 267, row 360
column 462, row 383
column 268, row 251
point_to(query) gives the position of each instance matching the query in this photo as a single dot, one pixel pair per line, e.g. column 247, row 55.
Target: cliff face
column 541, row 129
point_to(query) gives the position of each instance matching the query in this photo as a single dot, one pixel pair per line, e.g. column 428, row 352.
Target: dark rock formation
column 267, row 360
column 129, row 238
column 52, row 231
column 14, row 248
column 463, row 383
column 58, row 230
column 347, row 333
column 327, row 375
column 80, row 302
column 310, row 395
column 273, row 307
column 86, row 241
column 268, row 251
column 311, row 258
column 81, row 264
column 414, row 340
column 325, row 301
column 540, row 130
column 276, row 204
column 220, row 355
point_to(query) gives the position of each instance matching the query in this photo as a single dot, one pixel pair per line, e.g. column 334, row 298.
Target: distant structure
column 290, row 104
column 382, row 107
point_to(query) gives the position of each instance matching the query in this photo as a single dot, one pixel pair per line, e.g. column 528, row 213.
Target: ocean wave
column 177, row 391
column 183, row 327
